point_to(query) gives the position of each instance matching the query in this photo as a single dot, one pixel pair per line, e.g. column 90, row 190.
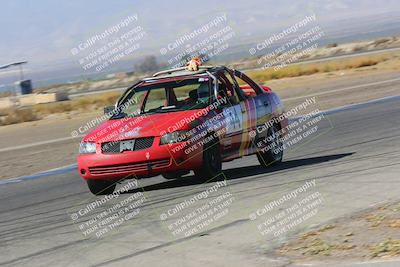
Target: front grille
column 143, row 143
column 114, row 147
column 110, row 147
column 130, row 168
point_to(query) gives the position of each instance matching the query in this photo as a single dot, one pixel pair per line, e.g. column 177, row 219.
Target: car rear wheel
column 212, row 162
column 272, row 153
column 101, row 187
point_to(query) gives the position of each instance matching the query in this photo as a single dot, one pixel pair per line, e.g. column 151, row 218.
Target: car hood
column 142, row 126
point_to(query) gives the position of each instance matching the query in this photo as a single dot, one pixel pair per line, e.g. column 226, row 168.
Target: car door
column 256, row 109
column 261, row 100
column 233, row 117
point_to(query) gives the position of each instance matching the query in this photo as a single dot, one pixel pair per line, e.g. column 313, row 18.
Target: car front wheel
column 101, row 187
column 212, row 162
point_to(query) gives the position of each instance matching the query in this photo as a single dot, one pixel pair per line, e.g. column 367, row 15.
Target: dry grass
column 80, row 104
column 388, row 247
column 84, row 103
column 375, row 219
column 317, row 246
column 6, row 94
column 262, row 76
column 364, row 236
column 12, row 116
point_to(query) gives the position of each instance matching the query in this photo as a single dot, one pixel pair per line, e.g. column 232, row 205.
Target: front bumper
column 138, row 164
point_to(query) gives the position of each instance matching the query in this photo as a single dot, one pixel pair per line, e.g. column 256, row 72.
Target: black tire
column 212, row 162
column 174, row 175
column 170, row 176
column 269, row 157
column 101, row 187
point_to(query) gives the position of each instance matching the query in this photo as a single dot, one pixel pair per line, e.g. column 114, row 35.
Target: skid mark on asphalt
column 167, row 244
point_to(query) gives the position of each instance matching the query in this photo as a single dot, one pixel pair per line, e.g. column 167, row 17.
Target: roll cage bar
column 212, row 71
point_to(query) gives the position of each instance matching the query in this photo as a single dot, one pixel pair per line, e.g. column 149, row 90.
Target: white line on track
column 69, row 168
column 6, row 149
column 344, row 89
column 55, row 171
column 57, row 140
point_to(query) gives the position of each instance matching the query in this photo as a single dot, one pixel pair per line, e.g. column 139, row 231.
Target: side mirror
column 109, row 110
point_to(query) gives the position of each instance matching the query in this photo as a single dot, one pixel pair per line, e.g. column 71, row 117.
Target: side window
column 230, row 78
column 135, row 103
column 155, row 99
column 231, row 93
column 227, row 90
column 248, row 86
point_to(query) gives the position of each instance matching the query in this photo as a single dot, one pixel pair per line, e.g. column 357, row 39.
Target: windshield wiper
column 168, row 107
column 118, row 116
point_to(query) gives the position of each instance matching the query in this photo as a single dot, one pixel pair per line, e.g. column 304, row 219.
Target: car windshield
column 186, row 94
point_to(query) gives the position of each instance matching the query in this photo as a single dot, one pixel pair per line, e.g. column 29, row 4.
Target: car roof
column 183, row 71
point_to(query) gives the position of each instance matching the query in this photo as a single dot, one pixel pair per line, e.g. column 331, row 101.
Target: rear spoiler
column 250, row 92
column 266, row 88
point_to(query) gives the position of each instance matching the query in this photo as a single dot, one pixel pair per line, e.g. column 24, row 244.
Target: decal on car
column 250, row 122
column 234, row 119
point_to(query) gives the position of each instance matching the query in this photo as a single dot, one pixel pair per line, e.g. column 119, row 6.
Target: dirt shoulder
column 369, row 235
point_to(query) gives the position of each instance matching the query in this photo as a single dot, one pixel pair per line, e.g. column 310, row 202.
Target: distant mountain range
column 43, row 32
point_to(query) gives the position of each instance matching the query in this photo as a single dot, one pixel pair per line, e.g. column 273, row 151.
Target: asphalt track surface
column 354, row 159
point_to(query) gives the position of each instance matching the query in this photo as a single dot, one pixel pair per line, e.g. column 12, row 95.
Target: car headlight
column 174, row 137
column 87, row 148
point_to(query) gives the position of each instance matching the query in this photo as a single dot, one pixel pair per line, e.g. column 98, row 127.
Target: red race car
column 181, row 120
